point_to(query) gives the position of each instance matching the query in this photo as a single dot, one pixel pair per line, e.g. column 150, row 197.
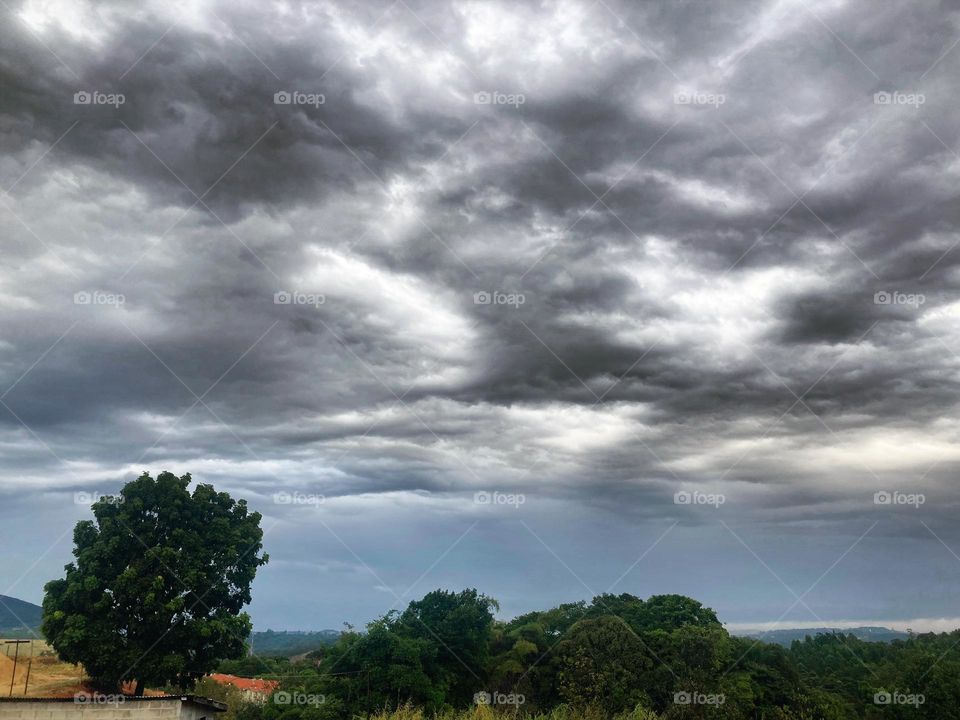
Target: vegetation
column 257, row 666
column 867, row 633
column 239, row 707
column 161, row 577
column 158, row 585
column 616, row 657
column 273, row 643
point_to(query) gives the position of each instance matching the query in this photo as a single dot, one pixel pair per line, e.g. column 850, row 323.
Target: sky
column 548, row 299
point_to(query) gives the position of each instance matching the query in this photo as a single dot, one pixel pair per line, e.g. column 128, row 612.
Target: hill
column 19, row 618
column 866, row 633
column 280, row 643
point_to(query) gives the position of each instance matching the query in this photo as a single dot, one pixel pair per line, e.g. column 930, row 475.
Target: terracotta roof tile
column 258, row 685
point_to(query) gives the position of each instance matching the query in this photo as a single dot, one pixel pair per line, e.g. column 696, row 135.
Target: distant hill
column 19, row 618
column 786, row 636
column 280, row 643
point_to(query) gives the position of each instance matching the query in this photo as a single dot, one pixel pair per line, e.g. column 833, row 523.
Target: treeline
column 664, row 657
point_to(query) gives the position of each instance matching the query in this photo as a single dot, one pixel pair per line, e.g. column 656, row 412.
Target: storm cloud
column 616, row 259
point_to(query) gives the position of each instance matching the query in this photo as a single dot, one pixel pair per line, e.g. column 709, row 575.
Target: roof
column 258, row 685
column 215, row 705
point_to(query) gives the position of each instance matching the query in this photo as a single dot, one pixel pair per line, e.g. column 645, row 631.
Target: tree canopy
column 616, row 657
column 158, row 584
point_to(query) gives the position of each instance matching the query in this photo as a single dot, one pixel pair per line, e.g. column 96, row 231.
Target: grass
column 482, row 712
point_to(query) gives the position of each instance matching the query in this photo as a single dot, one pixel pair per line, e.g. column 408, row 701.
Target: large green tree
column 460, row 625
column 158, row 586
column 433, row 655
column 603, row 662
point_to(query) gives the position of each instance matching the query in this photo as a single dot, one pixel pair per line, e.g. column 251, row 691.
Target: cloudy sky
column 545, row 298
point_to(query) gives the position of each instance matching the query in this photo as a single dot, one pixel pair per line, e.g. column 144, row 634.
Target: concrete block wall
column 106, row 709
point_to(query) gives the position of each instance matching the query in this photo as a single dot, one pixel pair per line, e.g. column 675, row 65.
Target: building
column 95, row 706
column 254, row 689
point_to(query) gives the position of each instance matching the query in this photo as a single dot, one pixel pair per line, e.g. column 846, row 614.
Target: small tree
column 158, row 585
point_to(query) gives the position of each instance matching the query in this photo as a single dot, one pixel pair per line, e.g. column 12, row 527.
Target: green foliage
column 603, row 663
column 614, row 658
column 272, row 643
column 158, row 585
column 238, row 706
column 456, row 628
column 659, row 612
column 257, row 666
column 433, row 654
column 560, row 712
column 161, row 576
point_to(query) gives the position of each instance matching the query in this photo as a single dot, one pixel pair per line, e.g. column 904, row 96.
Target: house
column 254, row 689
column 96, row 706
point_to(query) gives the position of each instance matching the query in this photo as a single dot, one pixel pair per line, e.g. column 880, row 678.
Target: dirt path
column 6, row 668
column 48, row 676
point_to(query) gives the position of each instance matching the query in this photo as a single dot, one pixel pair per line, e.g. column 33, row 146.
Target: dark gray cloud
column 594, row 254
